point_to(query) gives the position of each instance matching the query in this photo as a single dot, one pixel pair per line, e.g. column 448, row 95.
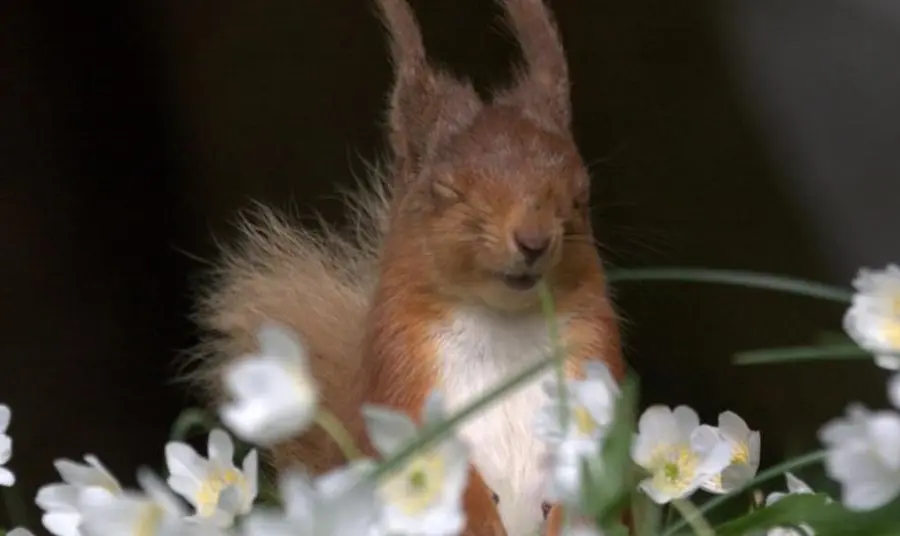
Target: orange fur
column 469, row 182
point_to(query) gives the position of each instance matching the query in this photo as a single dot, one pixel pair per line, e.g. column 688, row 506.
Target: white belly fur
column 478, row 350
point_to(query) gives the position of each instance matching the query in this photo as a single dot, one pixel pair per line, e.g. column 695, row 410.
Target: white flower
column 744, row 444
column 19, row 531
column 7, row 478
column 339, row 503
column 795, row 487
column 894, row 390
column 565, row 468
column 864, row 456
column 582, row 529
column 679, row 453
column 873, row 320
column 424, row 496
column 589, row 412
column 155, row 512
column 591, row 403
column 61, row 501
column 274, row 395
column 215, row 487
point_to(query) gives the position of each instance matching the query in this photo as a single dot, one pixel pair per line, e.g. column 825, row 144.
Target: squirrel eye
column 446, row 191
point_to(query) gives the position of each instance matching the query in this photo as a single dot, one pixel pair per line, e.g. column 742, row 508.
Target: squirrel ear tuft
column 543, row 89
column 426, row 106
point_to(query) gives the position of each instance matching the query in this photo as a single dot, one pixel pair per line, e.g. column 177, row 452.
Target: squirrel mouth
column 520, row 281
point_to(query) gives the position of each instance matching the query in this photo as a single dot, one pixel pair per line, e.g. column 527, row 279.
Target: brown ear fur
column 542, row 90
column 426, row 106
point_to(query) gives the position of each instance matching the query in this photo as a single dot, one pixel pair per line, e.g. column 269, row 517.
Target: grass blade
column 758, row 280
column 801, row 353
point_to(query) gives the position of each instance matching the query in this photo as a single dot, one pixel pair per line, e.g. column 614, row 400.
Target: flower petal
column 250, row 469
column 6, row 448
column 433, row 410
column 894, row 390
column 655, row 493
column 733, row 426
column 714, row 452
column 884, row 430
column 220, row 448
column 389, row 430
column 687, row 421
column 660, row 423
column 5, row 416
column 888, row 361
column 92, row 474
column 183, row 460
column 863, row 496
column 269, row 405
column 795, row 485
column 7, row 478
column 277, row 340
column 62, row 523
column 57, row 497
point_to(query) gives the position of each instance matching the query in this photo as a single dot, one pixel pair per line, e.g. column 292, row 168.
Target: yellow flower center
column 674, row 467
column 217, row 481
column 148, row 520
column 892, row 332
column 740, row 452
column 416, row 487
column 584, row 423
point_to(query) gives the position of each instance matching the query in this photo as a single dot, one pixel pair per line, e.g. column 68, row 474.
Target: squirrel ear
column 543, row 89
column 426, row 106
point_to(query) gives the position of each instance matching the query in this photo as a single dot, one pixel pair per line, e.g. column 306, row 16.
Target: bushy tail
column 317, row 282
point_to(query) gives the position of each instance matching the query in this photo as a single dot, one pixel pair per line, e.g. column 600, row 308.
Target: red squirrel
column 437, row 286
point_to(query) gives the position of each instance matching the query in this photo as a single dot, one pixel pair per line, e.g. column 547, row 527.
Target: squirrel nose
column 532, row 246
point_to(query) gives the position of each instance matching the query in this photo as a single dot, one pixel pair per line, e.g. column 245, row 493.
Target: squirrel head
column 493, row 194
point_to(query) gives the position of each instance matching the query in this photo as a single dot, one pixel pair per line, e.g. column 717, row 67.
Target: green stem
column 15, row 507
column 550, row 314
column 693, row 517
column 772, row 472
column 334, row 428
column 190, row 419
column 734, row 277
column 670, row 515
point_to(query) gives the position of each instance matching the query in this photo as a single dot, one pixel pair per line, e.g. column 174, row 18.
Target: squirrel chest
column 478, row 349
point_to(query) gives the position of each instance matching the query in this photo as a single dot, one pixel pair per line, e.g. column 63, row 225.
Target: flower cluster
column 419, row 491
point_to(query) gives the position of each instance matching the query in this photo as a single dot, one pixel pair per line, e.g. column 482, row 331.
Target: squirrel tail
column 318, row 283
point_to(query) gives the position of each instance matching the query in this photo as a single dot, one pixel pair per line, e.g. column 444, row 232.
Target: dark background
column 757, row 134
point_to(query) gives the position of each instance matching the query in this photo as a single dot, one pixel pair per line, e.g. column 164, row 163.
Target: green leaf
column 792, row 510
column 825, row 518
column 758, row 280
column 614, row 529
column 802, row 353
column 646, row 514
column 836, row 520
column 190, row 422
column 831, row 337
